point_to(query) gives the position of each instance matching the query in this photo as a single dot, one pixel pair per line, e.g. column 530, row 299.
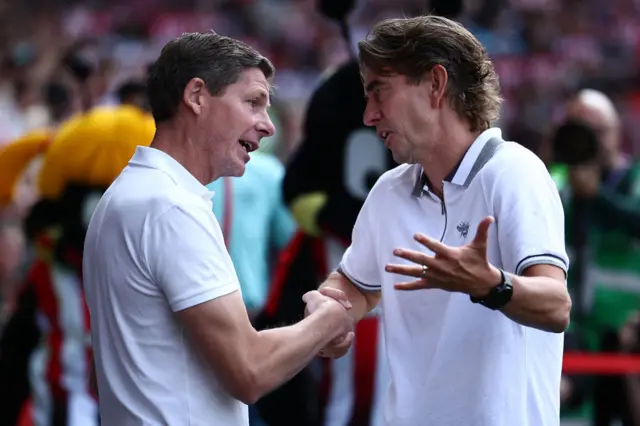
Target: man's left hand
column 462, row 269
column 585, row 180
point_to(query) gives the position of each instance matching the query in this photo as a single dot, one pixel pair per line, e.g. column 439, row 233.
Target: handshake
column 332, row 306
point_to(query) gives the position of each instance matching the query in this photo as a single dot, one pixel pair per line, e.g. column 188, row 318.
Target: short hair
column 218, row 60
column 130, row 88
column 413, row 46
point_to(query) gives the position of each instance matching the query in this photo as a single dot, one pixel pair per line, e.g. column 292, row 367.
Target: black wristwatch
column 499, row 296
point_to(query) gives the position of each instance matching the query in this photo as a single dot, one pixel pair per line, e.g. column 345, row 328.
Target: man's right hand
column 330, row 298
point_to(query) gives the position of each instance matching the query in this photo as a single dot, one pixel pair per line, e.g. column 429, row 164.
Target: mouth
column 384, row 134
column 249, row 146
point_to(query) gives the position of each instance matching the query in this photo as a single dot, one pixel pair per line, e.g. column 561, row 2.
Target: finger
column 414, row 256
column 408, row 270
column 482, row 235
column 336, row 294
column 413, row 285
column 312, row 299
column 333, row 350
column 434, row 245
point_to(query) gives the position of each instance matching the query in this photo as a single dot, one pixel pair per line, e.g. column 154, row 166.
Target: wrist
column 492, row 279
column 330, row 316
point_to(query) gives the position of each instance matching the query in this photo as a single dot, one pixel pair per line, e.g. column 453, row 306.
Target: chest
column 453, row 221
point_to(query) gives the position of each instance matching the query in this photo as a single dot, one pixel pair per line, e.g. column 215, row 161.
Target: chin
column 400, row 159
column 237, row 171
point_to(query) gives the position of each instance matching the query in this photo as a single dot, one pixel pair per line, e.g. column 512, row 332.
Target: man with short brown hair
column 172, row 340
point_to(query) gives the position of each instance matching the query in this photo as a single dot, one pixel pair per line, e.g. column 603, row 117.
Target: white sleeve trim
column 365, row 287
column 541, row 259
column 199, row 298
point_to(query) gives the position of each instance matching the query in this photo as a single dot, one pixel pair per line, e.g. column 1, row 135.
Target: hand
column 566, row 389
column 628, row 333
column 585, row 180
column 341, row 344
column 458, row 269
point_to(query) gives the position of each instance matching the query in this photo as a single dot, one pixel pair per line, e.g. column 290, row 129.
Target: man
column 604, row 190
column 172, row 339
column 475, row 336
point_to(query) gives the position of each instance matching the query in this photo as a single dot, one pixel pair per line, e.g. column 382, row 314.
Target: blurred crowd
column 61, row 58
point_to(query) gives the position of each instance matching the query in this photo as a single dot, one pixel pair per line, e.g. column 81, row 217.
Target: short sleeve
column 529, row 215
column 359, row 262
column 187, row 258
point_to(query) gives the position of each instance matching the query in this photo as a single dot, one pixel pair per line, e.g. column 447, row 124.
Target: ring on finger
column 424, row 271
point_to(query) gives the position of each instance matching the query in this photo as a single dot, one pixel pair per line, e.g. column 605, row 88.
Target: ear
column 439, row 78
column 194, row 95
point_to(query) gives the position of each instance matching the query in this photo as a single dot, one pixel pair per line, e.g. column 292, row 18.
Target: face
column 230, row 125
column 405, row 115
column 604, row 125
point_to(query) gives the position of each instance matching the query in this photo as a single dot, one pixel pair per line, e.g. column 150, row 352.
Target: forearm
column 279, row 354
column 539, row 302
column 361, row 303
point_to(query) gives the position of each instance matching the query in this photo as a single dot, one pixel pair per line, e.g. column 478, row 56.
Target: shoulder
column 140, row 202
column 512, row 160
column 400, row 178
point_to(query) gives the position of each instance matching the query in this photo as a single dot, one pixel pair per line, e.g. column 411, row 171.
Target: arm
column 204, row 294
column 250, row 363
column 540, row 299
column 357, row 275
column 362, row 302
column 530, row 228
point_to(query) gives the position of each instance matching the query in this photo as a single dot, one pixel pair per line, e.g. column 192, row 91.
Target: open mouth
column 247, row 145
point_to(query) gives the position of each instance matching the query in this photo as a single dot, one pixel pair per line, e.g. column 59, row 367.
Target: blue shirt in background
column 258, row 223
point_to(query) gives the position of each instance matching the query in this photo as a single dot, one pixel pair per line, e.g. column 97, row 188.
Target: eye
column 365, row 161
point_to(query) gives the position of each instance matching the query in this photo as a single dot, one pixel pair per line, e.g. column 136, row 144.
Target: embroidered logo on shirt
column 463, row 228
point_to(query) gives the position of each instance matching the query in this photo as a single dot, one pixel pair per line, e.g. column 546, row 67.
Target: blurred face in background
column 598, row 113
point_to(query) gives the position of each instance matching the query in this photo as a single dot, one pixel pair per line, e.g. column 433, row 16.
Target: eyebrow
column 265, row 96
column 371, row 86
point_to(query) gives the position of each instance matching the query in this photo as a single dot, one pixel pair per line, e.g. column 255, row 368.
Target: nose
column 371, row 114
column 266, row 127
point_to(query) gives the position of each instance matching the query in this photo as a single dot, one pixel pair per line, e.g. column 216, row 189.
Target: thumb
column 337, row 295
column 312, row 299
column 482, row 235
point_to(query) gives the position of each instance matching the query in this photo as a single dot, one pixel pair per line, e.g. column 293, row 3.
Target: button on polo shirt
column 454, row 362
column 153, row 248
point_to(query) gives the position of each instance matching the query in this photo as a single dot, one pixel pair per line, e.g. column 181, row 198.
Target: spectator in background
column 603, row 193
column 133, row 92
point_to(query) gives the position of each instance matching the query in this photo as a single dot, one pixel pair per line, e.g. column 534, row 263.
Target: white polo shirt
column 453, row 362
column 153, row 248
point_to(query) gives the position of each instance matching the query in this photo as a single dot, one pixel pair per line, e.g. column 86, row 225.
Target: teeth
column 245, row 145
column 384, row 135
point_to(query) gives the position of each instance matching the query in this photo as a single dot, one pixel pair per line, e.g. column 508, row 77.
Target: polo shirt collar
column 467, row 167
column 156, row 159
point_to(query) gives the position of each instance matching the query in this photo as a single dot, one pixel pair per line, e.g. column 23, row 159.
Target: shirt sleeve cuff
column 199, row 298
column 541, row 259
column 363, row 286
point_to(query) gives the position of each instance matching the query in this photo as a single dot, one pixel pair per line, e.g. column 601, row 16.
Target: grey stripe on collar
column 487, row 152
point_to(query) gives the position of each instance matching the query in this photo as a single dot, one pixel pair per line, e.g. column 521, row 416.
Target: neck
column 173, row 139
column 446, row 153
